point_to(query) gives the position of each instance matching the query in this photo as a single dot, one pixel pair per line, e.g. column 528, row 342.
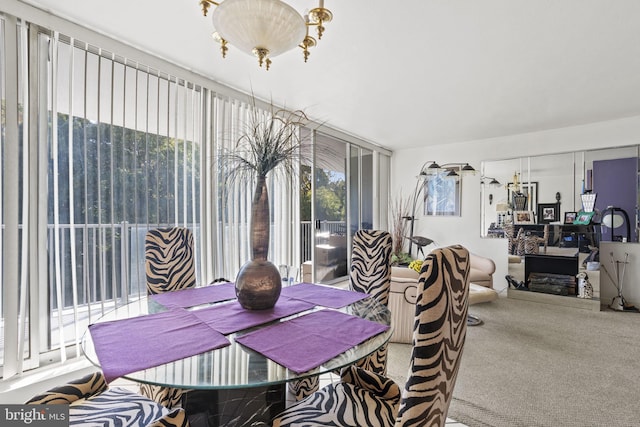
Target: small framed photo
column 583, row 218
column 569, row 217
column 548, row 212
column 523, row 217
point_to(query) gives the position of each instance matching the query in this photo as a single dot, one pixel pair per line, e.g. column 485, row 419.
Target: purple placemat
column 308, row 341
column 130, row 345
column 196, row 296
column 325, row 296
column 231, row 317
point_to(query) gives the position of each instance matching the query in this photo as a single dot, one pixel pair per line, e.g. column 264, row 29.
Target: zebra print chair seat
column 170, row 267
column 363, row 398
column 91, row 403
column 371, row 274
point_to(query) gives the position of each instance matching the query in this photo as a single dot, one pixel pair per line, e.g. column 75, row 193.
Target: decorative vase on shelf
column 519, row 201
column 258, row 283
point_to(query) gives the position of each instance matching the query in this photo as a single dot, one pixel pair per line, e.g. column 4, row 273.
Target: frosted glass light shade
column 613, row 220
column 264, row 24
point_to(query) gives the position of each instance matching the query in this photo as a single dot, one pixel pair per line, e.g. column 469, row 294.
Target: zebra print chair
column 169, row 260
column 170, row 267
column 364, row 398
column 91, row 403
column 370, row 274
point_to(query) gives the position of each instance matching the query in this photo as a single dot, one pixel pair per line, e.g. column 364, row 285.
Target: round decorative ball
column 258, row 285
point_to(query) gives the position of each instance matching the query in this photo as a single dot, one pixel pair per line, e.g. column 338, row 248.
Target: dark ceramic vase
column 258, row 283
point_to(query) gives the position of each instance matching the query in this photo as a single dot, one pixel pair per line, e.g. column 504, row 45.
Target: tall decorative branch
column 272, row 144
column 398, row 224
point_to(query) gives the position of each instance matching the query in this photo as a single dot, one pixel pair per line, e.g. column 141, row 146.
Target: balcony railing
column 306, row 236
column 109, row 263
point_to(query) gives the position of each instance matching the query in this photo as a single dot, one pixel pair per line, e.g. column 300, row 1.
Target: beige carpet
column 533, row 364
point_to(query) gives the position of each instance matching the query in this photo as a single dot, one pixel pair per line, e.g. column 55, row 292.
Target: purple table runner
column 308, row 341
column 325, row 296
column 130, row 345
column 231, row 317
column 196, row 296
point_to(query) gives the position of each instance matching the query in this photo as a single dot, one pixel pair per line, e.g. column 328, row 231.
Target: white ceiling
column 416, row 72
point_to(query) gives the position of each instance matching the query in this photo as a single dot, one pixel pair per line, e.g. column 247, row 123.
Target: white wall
column 466, row 229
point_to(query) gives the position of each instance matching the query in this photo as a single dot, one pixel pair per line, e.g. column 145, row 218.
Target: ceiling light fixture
column 265, row 28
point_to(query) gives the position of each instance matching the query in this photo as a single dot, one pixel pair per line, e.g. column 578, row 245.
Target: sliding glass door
column 337, row 199
column 330, row 209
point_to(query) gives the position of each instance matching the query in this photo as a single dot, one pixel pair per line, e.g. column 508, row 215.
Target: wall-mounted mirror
column 549, row 190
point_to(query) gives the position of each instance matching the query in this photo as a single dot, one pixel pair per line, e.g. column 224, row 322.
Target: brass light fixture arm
column 205, row 4
column 318, row 16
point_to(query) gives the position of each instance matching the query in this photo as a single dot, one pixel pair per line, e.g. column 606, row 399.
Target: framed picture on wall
column 569, row 217
column 548, row 212
column 523, row 217
column 442, row 195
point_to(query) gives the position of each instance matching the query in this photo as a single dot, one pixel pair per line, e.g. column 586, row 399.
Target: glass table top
column 237, row 366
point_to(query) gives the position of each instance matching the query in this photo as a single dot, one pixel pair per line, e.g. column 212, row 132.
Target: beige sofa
column 404, row 283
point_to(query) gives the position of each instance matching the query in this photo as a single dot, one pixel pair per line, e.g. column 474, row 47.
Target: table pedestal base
column 234, row 407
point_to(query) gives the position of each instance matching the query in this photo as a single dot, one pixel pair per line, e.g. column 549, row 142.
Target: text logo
column 34, row 415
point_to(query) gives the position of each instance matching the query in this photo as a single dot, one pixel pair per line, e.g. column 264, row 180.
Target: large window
column 96, row 149
column 117, row 152
column 124, row 156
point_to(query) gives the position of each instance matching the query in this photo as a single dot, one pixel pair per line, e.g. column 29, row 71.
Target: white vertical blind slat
column 196, row 147
column 72, row 229
column 10, row 202
column 24, row 266
column 56, row 197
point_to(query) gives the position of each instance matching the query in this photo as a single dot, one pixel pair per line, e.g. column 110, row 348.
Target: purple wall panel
column 615, row 183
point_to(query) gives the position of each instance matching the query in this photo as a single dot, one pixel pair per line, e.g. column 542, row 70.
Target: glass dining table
column 236, row 385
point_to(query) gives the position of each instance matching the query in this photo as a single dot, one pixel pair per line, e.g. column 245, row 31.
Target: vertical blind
column 126, row 148
column 124, row 156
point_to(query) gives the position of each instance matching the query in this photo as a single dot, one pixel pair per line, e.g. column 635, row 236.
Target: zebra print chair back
column 363, row 398
column 92, row 403
column 441, row 317
column 169, row 259
column 370, row 274
column 170, row 267
column 371, row 264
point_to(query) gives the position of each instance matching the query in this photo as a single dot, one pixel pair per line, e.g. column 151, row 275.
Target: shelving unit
column 594, row 304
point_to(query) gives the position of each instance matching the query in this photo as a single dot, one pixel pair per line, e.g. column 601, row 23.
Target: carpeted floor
column 534, row 364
